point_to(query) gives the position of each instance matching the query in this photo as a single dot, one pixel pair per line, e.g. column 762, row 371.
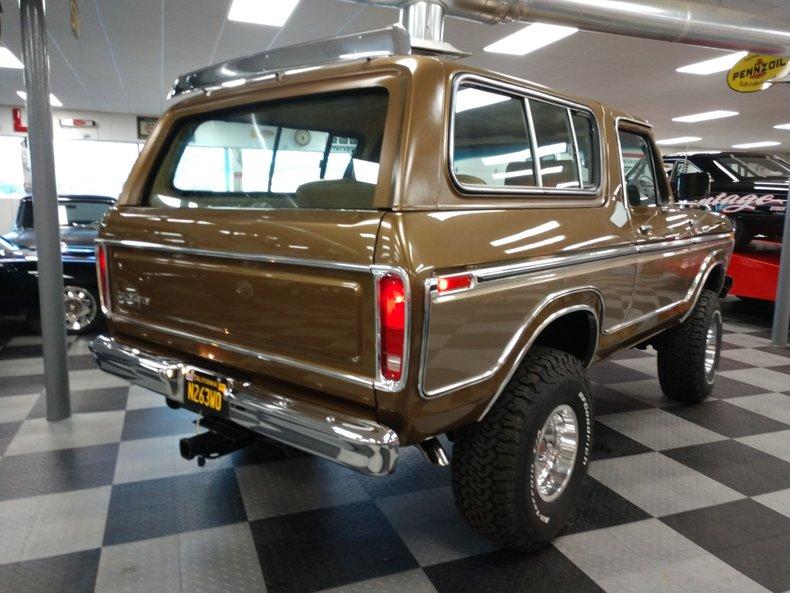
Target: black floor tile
column 89, row 400
column 729, row 364
column 155, row 508
column 70, row 573
column 57, row 471
column 727, row 525
column 511, row 572
column 727, row 419
column 26, row 351
column 325, row 548
column 608, row 372
column 725, row 387
column 778, row 350
column 631, row 353
column 21, row 384
column 7, row 432
column 600, row 507
column 609, row 443
column 764, row 561
column 742, row 468
column 156, row 422
column 609, row 401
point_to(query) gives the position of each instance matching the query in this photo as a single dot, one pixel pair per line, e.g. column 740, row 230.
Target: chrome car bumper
column 359, row 444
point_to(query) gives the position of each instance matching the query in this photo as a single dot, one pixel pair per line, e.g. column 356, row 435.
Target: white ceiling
column 131, row 50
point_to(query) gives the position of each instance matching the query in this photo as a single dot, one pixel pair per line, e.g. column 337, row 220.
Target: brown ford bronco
column 366, row 253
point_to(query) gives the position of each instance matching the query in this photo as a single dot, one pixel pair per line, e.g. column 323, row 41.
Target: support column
column 45, row 209
column 782, row 306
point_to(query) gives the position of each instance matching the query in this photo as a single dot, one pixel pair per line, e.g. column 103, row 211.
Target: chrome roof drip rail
column 393, row 40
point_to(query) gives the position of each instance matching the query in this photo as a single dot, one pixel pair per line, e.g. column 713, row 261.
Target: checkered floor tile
column 680, row 498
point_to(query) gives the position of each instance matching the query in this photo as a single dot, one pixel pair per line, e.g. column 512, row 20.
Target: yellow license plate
column 205, row 393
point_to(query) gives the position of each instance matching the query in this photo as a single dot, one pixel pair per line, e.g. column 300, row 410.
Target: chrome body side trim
column 264, row 356
column 546, row 322
column 356, row 443
column 525, row 94
column 257, row 257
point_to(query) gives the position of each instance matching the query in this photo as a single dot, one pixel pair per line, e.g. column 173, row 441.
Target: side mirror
column 633, row 194
column 692, row 186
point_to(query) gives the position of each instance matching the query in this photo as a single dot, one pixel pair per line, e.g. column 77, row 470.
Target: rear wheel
column 688, row 355
column 81, row 308
column 517, row 474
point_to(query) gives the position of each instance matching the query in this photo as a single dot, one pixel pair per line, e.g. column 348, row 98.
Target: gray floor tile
column 296, row 485
column 660, row 485
column 430, row 526
column 659, row 429
column 17, row 518
column 15, row 408
column 68, row 522
column 647, row 366
column 772, row 405
column 70, row 573
column 21, row 366
column 148, row 566
column 773, row 443
column 745, row 340
column 94, row 379
column 411, row 581
column 778, row 501
column 143, row 398
column 220, row 560
column 80, row 430
column 767, row 379
column 755, row 358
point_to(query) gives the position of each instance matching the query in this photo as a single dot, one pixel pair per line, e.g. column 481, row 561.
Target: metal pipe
column 665, row 20
column 45, row 209
column 423, row 19
column 781, row 324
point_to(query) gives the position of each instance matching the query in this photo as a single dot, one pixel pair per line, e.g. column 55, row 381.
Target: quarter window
column 639, row 170
column 556, row 153
column 588, row 147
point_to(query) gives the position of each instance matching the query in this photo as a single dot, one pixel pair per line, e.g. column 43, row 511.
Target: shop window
column 491, row 146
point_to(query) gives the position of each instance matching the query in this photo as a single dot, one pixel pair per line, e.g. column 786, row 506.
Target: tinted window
column 313, row 152
column 555, row 145
column 72, row 213
column 640, row 177
column 491, row 144
column 587, row 141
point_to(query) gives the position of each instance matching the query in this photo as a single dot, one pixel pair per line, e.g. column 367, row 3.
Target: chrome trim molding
column 258, row 257
column 525, row 94
column 264, row 356
column 356, row 443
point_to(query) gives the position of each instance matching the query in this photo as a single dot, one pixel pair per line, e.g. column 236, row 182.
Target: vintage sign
column 145, row 127
column 753, row 73
column 732, row 203
column 77, row 123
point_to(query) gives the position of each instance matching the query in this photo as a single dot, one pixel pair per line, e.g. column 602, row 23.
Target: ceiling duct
column 665, row 20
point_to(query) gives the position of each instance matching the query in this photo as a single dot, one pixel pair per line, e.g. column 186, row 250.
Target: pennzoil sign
column 752, row 73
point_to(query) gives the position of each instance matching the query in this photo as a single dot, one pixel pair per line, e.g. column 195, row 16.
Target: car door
column 666, row 263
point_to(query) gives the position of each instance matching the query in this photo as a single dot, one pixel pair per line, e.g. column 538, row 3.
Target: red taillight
column 101, row 270
column 450, row 283
column 392, row 324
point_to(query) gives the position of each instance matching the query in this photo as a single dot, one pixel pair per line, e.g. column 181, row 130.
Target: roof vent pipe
column 423, row 19
column 665, row 20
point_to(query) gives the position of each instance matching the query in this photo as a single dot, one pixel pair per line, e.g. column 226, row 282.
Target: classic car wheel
column 688, row 355
column 82, row 310
column 517, row 474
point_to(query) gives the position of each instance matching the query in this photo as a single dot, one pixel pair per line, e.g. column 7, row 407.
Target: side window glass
column 640, row 176
column 555, row 150
column 587, row 141
column 491, row 146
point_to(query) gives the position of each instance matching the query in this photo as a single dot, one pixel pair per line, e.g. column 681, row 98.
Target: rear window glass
column 320, row 151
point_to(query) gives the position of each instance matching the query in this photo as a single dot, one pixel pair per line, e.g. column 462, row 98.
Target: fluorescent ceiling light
column 760, row 144
column 262, row 12
column 530, row 38
column 679, row 140
column 9, row 60
column 782, row 127
column 471, row 98
column 53, row 100
column 713, row 65
column 705, row 116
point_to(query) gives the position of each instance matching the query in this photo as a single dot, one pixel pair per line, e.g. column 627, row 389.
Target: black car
column 79, row 219
column 748, row 187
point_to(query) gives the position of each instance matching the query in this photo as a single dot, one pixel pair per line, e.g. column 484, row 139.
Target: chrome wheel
column 80, row 307
column 712, row 347
column 555, row 452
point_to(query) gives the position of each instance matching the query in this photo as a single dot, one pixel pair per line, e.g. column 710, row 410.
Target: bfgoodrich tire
column 517, row 474
column 688, row 355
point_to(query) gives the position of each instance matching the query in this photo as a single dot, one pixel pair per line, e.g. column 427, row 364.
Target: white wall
column 120, row 127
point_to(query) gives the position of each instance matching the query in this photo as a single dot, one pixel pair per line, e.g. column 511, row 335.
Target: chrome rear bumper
column 359, row 444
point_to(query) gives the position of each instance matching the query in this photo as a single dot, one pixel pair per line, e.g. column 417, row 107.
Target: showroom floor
column 693, row 499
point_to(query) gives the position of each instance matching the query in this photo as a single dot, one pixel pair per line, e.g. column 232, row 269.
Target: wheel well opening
column 574, row 333
column 715, row 280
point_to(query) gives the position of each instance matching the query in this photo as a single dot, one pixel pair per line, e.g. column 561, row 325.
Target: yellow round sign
column 752, row 73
